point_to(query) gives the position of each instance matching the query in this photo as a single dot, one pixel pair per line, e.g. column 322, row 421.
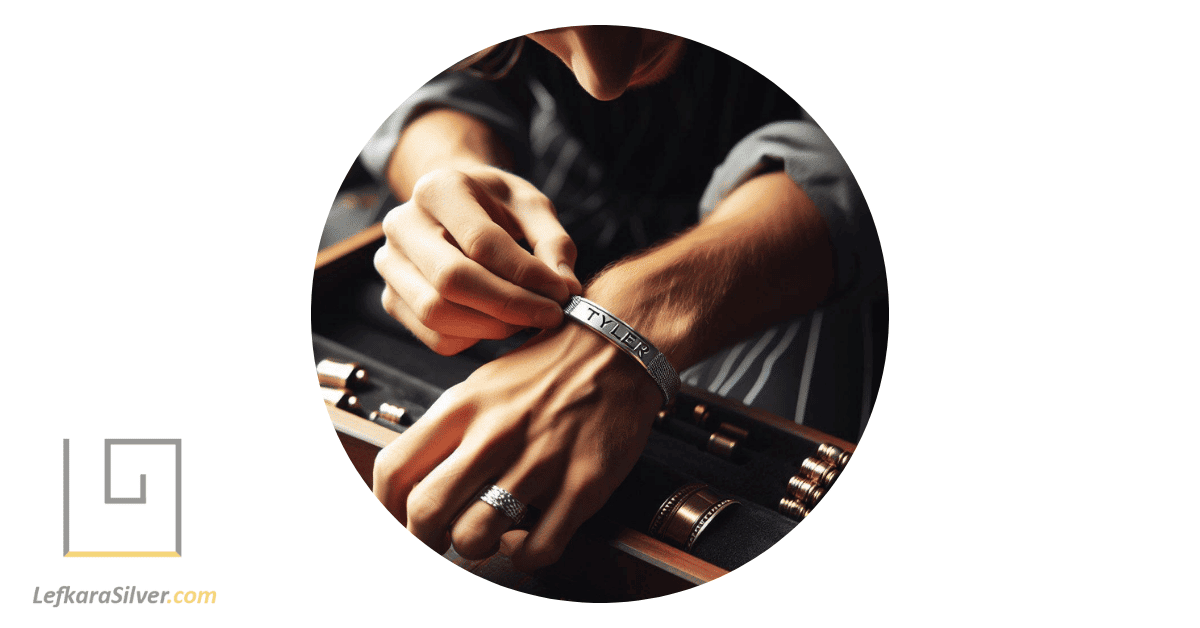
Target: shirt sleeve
column 811, row 161
column 484, row 100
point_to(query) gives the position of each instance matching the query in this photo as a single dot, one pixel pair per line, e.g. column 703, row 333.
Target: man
column 559, row 422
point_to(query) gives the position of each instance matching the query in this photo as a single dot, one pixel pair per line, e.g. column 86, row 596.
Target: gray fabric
column 809, row 159
column 456, row 91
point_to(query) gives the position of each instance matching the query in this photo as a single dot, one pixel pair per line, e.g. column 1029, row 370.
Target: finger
column 429, row 308
column 477, row 531
column 539, row 223
column 462, row 280
column 409, row 458
column 441, row 344
column 459, row 206
column 578, row 500
column 512, row 540
column 435, row 502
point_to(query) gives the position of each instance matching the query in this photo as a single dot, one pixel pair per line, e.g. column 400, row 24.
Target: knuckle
column 391, row 221
column 564, row 243
column 512, row 306
column 403, row 215
column 502, row 437
column 439, row 345
column 482, row 243
column 538, row 554
column 560, row 241
column 546, row 204
column 444, row 346
column 471, row 542
column 422, row 187
column 398, row 219
column 380, row 259
column 491, row 182
column 421, row 507
column 381, row 474
column 385, row 479
column 455, row 396
column 524, row 273
column 435, row 183
column 449, row 277
column 388, row 300
column 430, row 309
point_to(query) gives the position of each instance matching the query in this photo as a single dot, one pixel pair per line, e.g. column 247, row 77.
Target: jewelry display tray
column 613, row 557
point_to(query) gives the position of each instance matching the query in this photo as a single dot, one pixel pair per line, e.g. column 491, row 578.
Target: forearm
column 762, row 257
column 442, row 138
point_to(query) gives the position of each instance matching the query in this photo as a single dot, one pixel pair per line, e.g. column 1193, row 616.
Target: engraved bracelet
column 617, row 332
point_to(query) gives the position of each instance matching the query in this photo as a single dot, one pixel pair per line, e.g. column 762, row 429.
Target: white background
column 1031, row 168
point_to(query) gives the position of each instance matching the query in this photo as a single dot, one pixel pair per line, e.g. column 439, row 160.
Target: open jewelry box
column 717, row 484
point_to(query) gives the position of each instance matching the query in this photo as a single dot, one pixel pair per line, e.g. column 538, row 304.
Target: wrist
column 625, row 338
column 649, row 301
column 586, row 354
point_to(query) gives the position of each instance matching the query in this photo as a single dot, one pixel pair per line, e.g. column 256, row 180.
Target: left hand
column 558, row 423
column 453, row 268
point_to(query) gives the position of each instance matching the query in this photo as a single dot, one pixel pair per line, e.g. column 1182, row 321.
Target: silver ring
column 503, row 501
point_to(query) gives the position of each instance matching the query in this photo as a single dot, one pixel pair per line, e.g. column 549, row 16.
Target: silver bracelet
column 621, row 334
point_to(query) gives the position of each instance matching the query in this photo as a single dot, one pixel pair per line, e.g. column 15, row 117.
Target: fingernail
column 547, row 317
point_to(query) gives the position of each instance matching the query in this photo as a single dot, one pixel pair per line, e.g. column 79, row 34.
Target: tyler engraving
column 630, row 339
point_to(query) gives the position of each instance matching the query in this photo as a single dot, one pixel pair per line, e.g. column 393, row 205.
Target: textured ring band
column 503, row 501
column 621, row 334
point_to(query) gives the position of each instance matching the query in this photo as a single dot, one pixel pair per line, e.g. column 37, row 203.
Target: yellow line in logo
column 122, row 554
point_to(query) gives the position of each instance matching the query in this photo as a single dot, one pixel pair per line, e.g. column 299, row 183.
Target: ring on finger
column 503, row 501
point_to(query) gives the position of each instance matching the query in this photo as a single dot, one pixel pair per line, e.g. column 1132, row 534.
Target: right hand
column 454, row 271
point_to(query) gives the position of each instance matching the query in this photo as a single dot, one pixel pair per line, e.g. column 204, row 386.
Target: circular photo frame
column 599, row 313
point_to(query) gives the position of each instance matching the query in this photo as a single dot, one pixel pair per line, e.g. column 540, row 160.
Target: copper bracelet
column 684, row 515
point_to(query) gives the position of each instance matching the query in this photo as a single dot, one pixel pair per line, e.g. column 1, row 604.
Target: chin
column 602, row 91
column 607, row 94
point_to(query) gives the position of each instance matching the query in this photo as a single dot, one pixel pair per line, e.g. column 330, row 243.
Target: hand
column 558, row 423
column 454, row 271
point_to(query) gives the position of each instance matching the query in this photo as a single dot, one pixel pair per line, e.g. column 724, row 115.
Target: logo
column 123, row 516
